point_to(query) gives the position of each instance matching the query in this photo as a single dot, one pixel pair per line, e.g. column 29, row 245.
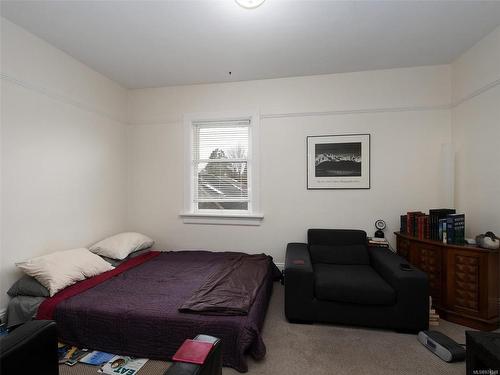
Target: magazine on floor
column 96, row 358
column 76, row 356
column 123, row 365
column 64, row 352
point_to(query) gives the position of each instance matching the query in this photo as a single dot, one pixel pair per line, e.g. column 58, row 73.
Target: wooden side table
column 463, row 280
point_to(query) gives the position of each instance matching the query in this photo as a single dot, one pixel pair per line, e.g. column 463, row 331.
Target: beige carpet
column 329, row 350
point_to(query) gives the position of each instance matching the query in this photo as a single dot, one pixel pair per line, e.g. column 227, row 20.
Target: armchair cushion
column 359, row 284
column 341, row 254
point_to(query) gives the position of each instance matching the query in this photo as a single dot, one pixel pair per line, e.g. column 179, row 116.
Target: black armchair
column 337, row 278
column 30, row 348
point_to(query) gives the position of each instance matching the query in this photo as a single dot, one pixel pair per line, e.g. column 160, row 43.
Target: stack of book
column 433, row 318
column 422, row 229
column 416, row 224
column 411, row 222
column 440, row 225
column 378, row 242
column 434, row 216
column 455, row 229
column 433, row 315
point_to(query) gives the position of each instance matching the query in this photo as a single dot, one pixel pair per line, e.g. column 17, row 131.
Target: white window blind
column 221, row 165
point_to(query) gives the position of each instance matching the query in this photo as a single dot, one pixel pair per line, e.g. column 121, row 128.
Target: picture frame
column 338, row 161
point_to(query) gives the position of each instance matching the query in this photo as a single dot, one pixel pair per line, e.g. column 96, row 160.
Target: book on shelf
column 411, row 222
column 442, row 224
column 435, row 215
column 442, row 230
column 455, row 227
column 404, row 223
column 422, row 227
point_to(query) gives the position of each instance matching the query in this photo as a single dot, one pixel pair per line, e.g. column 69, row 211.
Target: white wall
column 63, row 152
column 72, row 172
column 405, row 111
column 476, row 134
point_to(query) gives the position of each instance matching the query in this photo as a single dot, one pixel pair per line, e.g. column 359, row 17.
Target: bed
column 136, row 312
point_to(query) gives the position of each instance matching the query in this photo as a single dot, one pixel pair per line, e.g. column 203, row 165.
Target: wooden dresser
column 463, row 280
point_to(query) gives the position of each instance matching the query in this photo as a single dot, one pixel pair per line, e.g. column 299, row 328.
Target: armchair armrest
column 411, row 286
column 299, row 283
column 30, row 348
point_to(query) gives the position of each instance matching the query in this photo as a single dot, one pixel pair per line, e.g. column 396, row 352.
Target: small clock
column 380, row 225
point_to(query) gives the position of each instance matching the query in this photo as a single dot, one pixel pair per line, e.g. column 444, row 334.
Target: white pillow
column 121, row 245
column 58, row 270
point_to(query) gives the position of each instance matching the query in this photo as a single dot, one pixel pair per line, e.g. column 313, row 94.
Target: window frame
column 192, row 214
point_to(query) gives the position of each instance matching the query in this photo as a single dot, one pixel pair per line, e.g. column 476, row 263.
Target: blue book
column 442, row 230
column 96, row 358
column 450, row 230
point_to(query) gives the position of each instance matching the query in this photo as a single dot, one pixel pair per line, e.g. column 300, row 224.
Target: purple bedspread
column 136, row 313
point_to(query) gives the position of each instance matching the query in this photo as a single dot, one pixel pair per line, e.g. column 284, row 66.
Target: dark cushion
column 28, row 286
column 336, row 237
column 358, row 284
column 346, row 254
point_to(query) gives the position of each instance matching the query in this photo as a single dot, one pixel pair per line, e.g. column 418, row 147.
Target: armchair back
column 338, row 246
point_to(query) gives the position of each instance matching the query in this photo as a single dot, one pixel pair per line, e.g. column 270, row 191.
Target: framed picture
column 338, row 161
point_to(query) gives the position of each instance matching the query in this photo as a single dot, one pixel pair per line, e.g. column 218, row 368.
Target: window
column 222, row 170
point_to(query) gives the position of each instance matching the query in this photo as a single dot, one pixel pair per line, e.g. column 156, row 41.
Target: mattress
column 137, row 312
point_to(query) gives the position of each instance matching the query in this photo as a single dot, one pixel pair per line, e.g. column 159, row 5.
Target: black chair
column 31, row 348
column 337, row 278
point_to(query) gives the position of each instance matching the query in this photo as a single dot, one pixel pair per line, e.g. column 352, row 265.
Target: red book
column 193, row 351
column 427, row 228
column 421, row 223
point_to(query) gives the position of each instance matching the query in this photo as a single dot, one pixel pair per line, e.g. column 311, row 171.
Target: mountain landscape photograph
column 338, row 159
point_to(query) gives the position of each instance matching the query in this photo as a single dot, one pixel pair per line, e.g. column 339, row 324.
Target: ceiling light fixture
column 249, row 4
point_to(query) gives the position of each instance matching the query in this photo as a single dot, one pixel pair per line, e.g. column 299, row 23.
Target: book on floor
column 123, row 365
column 96, row 358
column 76, row 356
column 65, row 352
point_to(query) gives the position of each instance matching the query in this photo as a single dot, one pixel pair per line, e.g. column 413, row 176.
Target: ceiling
column 160, row 43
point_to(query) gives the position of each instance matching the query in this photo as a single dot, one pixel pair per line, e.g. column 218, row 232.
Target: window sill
column 222, row 219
